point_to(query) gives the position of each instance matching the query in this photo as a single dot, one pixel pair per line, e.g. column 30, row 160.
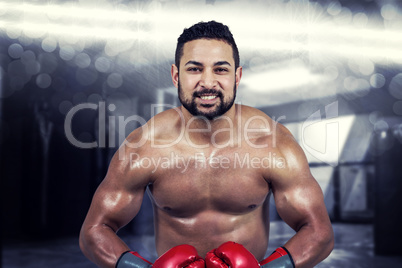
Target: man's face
column 207, row 81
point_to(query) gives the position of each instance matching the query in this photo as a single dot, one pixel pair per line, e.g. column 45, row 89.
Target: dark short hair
column 207, row 30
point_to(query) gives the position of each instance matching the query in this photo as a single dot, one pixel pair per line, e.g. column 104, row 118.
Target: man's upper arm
column 118, row 198
column 298, row 197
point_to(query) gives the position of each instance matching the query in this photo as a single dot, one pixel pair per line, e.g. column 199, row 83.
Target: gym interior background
column 77, row 76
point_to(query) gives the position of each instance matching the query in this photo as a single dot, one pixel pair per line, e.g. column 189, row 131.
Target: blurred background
column 73, row 74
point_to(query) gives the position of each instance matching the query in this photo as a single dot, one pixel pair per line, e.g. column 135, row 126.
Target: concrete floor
column 354, row 247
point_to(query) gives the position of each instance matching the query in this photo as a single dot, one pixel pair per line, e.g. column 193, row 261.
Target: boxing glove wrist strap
column 131, row 259
column 280, row 258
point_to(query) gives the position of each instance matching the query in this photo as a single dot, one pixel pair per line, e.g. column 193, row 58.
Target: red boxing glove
column 180, row 256
column 231, row 254
column 176, row 257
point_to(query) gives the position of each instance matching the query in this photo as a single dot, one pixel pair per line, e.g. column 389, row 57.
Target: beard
column 220, row 109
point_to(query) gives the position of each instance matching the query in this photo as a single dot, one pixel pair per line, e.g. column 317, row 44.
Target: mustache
column 207, row 91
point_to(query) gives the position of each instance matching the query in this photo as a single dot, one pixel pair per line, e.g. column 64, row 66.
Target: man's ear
column 175, row 75
column 239, row 73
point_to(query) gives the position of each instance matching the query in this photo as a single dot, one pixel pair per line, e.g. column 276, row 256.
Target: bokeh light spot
column 377, row 80
column 67, row 52
column 43, row 80
column 334, row 8
column 397, row 107
column 94, row 98
column 82, row 60
column 102, row 64
column 388, row 12
column 395, row 86
column 381, row 125
column 65, row 106
column 15, row 50
column 115, row 80
column 49, row 44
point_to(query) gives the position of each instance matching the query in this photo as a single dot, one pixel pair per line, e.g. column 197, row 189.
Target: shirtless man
column 209, row 167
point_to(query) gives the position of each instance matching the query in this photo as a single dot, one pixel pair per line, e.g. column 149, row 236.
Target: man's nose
column 208, row 79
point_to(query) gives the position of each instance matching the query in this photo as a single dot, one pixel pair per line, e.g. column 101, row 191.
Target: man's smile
column 208, row 97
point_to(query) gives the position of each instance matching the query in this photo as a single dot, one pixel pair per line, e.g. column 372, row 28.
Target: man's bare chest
column 229, row 180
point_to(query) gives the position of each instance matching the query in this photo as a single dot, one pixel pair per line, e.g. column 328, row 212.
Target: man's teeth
column 209, row 97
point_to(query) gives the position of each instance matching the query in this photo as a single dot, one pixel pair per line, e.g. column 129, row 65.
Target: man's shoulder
column 145, row 141
column 256, row 121
column 253, row 115
column 160, row 124
column 165, row 124
column 249, row 111
column 168, row 116
column 163, row 128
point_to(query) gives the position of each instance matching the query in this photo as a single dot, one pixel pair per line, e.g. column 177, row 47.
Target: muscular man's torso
column 207, row 196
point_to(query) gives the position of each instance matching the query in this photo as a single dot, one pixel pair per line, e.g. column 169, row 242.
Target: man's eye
column 193, row 69
column 221, row 70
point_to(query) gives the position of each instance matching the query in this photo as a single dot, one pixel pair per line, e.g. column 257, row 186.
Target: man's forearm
column 309, row 246
column 101, row 245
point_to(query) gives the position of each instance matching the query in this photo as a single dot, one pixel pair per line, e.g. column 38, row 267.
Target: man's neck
column 219, row 131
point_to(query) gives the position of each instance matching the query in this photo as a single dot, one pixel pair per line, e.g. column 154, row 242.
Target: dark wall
column 388, row 209
column 47, row 183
